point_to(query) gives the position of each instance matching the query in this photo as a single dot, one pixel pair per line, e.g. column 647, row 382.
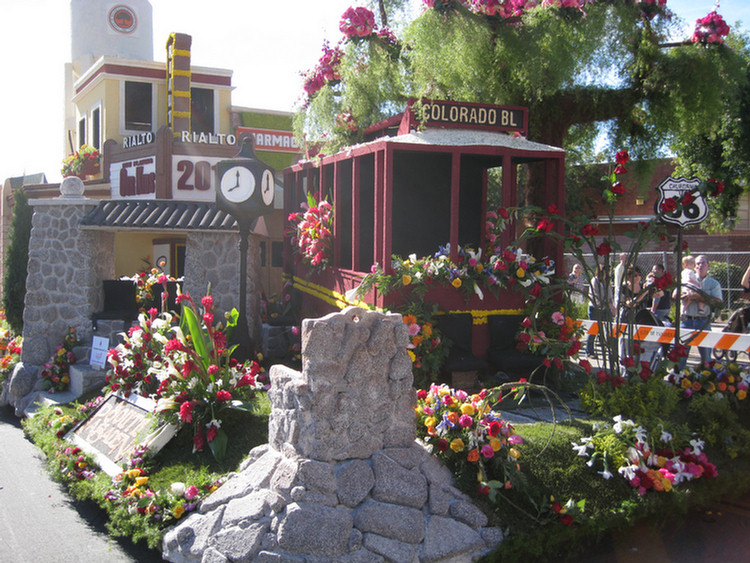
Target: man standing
column 697, row 314
column 619, row 274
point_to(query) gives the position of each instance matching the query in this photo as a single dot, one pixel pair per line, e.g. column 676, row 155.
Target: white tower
column 110, row 28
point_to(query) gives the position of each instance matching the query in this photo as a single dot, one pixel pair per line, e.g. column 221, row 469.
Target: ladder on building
column 178, row 83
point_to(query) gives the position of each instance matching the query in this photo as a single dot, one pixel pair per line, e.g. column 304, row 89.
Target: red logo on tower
column 122, row 19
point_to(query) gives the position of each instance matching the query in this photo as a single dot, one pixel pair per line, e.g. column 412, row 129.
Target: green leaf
column 232, row 317
column 218, row 445
column 191, row 325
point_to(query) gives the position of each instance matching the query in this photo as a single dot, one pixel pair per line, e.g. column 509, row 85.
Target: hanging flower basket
column 82, row 163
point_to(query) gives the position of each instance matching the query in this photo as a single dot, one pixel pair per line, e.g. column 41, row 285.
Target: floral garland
column 722, row 381
column 312, row 232
column 357, row 23
column 327, row 71
column 646, row 463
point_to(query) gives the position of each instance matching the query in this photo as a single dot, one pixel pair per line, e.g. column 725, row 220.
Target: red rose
column 622, row 157
column 604, row 249
column 718, row 187
column 589, row 230
column 668, row 205
column 502, row 212
column 223, row 396
column 620, row 169
column 618, row 188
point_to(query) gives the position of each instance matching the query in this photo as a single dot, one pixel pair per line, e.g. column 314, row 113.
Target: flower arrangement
column 10, row 352
column 723, row 381
column 357, row 23
column 131, row 490
column 427, row 349
column 554, row 335
column 645, row 462
column 145, row 282
column 469, row 436
column 312, row 232
column 75, row 163
column 327, row 71
column 200, row 379
column 710, row 29
column 137, row 363
column 56, row 372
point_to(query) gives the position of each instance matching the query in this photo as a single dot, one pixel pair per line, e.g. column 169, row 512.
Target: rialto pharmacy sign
column 271, row 140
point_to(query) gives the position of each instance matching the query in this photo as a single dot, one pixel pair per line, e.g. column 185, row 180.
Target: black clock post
column 244, row 189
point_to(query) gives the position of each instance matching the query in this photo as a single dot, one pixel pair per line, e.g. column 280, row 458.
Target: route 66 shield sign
column 691, row 214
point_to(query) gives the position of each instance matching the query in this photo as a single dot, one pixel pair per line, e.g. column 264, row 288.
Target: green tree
column 606, row 66
column 16, row 261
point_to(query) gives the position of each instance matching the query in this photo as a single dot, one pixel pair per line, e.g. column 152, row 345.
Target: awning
column 118, row 214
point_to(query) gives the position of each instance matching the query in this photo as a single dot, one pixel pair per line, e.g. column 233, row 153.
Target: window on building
column 202, row 110
column 82, row 131
column 138, row 105
column 96, row 134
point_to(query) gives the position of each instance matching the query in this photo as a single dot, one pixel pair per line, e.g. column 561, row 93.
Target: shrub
column 16, row 261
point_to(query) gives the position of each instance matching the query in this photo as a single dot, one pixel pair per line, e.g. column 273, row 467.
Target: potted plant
column 84, row 162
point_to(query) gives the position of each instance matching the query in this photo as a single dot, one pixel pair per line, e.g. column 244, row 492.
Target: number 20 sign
column 691, row 214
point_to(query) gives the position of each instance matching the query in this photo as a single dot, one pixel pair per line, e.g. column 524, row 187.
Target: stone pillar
column 65, row 270
column 214, row 258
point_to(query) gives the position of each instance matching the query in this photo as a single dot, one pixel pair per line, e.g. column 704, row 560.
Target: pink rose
column 191, row 492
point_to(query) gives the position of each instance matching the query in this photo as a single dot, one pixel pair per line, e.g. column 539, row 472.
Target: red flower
column 186, row 412
column 502, row 212
column 688, row 198
column 618, row 188
column 566, row 519
column 586, row 365
column 544, row 225
column 526, row 322
column 718, row 187
column 604, row 249
column 222, row 396
column 622, row 157
column 199, row 440
column 574, row 348
column 589, row 230
column 442, row 445
column 553, row 209
column 536, row 290
column 668, row 205
column 494, row 428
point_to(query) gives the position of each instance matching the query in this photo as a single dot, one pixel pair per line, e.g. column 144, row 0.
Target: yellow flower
column 685, row 383
column 457, row 445
column 661, row 461
column 133, row 473
column 520, row 272
column 412, row 355
column 710, row 387
column 419, row 410
column 430, row 421
column 514, row 453
column 406, row 279
column 65, row 379
column 456, row 282
column 479, row 268
column 178, row 511
column 496, row 444
column 468, row 408
column 141, row 481
column 741, row 394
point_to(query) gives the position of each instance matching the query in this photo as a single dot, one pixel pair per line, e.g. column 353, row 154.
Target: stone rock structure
column 342, row 478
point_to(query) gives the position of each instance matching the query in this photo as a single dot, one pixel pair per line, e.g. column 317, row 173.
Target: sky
column 266, row 44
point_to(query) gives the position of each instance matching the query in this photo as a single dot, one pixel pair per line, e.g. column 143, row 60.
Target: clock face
column 267, row 187
column 237, row 184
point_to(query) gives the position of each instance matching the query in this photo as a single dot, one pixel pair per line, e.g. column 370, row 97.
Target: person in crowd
column 601, row 305
column 619, row 272
column 577, row 281
column 660, row 301
column 745, row 283
column 632, row 299
column 697, row 314
column 689, row 281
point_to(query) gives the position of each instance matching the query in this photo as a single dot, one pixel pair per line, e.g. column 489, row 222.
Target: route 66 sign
column 691, row 214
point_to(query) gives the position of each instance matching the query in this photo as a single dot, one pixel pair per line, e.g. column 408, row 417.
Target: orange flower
column 409, row 319
column 696, row 386
column 722, row 386
column 473, row 455
column 453, row 417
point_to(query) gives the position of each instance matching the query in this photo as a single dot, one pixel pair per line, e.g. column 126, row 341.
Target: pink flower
column 414, row 329
column 487, row 451
column 465, row 421
column 558, row 318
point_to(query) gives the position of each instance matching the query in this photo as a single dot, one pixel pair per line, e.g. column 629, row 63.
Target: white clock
column 267, row 187
column 237, row 184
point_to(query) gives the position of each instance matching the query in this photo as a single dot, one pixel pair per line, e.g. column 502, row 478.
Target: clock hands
column 237, row 184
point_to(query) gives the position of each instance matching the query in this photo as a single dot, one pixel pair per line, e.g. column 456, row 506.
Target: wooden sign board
column 115, row 428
